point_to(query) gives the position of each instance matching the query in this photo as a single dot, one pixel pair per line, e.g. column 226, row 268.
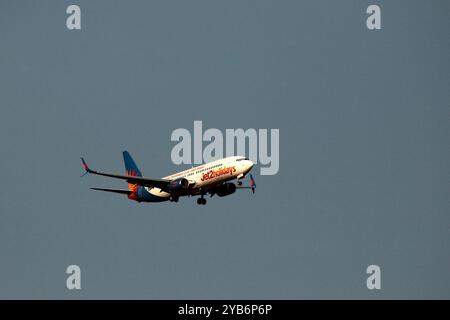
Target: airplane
column 211, row 178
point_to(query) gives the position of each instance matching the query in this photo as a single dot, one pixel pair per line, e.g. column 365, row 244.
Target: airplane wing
column 146, row 182
column 252, row 185
column 127, row 192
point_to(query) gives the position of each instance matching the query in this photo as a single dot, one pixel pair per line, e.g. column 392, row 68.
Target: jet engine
column 178, row 185
column 225, row 189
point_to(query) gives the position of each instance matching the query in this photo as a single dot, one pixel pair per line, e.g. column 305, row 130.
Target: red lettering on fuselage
column 217, row 173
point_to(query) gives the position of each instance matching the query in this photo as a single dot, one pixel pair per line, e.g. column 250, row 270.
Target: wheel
column 239, row 183
column 199, row 201
column 203, row 201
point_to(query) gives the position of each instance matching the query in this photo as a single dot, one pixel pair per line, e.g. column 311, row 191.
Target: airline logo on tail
column 131, row 169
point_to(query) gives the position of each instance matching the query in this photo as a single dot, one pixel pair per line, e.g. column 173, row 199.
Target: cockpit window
column 240, row 159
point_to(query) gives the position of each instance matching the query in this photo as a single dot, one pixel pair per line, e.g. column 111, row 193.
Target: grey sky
column 364, row 148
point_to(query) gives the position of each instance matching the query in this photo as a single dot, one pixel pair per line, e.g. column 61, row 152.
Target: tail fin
column 131, row 169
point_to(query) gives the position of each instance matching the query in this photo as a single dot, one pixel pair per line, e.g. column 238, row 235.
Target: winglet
column 85, row 166
column 252, row 183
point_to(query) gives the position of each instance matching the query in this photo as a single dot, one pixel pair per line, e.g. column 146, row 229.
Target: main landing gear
column 201, row 200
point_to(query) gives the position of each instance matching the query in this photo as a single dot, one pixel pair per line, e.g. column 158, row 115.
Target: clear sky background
column 364, row 148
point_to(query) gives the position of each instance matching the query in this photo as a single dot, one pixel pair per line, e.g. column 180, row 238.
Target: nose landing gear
column 239, row 177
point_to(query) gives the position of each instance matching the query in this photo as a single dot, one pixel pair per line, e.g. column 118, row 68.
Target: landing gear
column 201, row 200
column 239, row 177
column 174, row 198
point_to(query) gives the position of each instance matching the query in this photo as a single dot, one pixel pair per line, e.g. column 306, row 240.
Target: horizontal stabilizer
column 127, row 192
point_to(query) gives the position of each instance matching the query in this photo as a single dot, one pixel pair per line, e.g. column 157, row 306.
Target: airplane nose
column 250, row 164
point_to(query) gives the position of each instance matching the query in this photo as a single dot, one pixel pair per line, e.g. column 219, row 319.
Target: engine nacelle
column 225, row 189
column 178, row 185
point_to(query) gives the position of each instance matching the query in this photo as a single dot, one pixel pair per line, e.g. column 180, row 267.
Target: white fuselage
column 205, row 176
